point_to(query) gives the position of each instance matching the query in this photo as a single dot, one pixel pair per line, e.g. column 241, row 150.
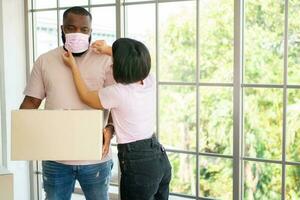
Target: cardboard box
column 56, row 134
column 6, row 185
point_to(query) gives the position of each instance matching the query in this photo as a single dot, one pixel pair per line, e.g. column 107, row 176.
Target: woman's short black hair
column 131, row 61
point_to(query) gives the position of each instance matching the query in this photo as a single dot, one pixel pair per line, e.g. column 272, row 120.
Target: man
column 52, row 80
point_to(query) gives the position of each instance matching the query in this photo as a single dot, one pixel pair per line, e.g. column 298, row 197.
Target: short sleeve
column 109, row 79
column 35, row 86
column 111, row 96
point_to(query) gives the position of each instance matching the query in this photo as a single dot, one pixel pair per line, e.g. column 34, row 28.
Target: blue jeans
column 59, row 180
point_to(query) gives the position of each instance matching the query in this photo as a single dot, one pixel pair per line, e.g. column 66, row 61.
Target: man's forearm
column 27, row 105
column 110, row 125
column 30, row 103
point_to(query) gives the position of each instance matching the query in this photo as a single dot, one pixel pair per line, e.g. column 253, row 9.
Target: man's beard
column 63, row 38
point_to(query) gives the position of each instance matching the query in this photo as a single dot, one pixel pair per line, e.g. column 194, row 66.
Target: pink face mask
column 77, row 42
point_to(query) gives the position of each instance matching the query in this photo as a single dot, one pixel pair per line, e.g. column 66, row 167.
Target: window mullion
column 237, row 100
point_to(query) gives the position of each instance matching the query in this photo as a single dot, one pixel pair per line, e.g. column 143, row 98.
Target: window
column 270, row 98
column 1, row 153
column 193, row 46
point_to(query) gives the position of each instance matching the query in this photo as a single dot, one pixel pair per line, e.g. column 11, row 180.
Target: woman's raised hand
column 69, row 59
column 100, row 47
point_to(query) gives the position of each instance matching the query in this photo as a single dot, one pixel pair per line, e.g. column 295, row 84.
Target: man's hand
column 100, row 47
column 107, row 136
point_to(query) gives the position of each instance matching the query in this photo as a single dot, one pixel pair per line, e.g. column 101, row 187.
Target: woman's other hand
column 100, row 47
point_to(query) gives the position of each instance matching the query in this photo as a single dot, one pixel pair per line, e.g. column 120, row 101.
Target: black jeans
column 145, row 170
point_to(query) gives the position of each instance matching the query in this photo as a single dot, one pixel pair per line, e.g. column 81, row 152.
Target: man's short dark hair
column 131, row 61
column 78, row 11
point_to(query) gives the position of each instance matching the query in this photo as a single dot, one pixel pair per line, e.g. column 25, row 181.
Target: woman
column 145, row 168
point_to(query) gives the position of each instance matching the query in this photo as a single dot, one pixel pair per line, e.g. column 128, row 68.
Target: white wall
column 13, row 27
column 2, row 105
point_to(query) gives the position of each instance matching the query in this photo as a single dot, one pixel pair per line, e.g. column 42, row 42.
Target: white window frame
column 238, row 86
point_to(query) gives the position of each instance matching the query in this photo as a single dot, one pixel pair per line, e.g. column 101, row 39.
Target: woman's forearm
column 90, row 98
column 79, row 83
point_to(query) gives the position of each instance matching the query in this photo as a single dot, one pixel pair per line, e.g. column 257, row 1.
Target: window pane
column 45, row 26
column 294, row 43
column 262, row 181
column 136, row 0
column 264, row 28
column 113, row 192
column 292, row 182
column 216, row 120
column 216, row 40
column 102, row 1
column 78, row 197
column 177, row 42
column 142, row 28
column 104, row 24
column 38, row 4
column 183, row 173
column 177, row 117
column 68, row 3
column 215, row 177
column 263, row 122
column 61, row 13
column 114, row 171
column 173, row 197
column 293, row 125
